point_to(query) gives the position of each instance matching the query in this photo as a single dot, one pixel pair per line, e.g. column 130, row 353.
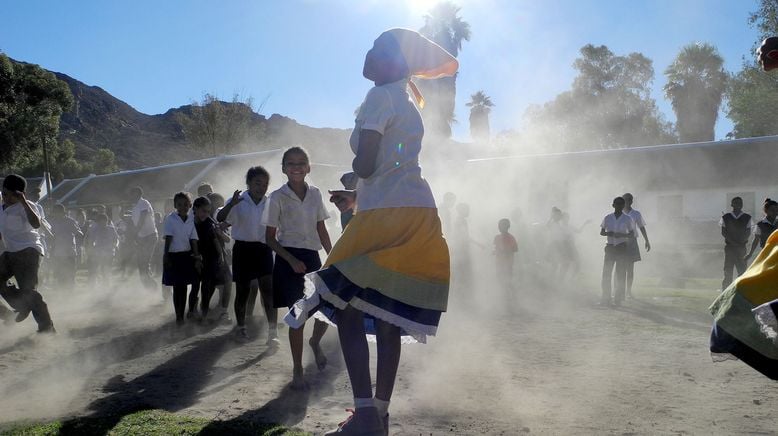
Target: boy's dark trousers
column 23, row 265
column 615, row 256
column 734, row 257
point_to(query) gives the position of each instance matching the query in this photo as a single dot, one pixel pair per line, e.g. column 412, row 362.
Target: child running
column 388, row 274
column 295, row 217
column 252, row 259
column 211, row 251
column 19, row 221
column 181, row 258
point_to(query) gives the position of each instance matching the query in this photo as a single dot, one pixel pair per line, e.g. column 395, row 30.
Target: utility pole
column 46, row 172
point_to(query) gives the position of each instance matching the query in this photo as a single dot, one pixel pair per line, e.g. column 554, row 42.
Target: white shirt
column 147, row 227
column 397, row 180
column 758, row 231
column 181, row 231
column 639, row 221
column 295, row 219
column 16, row 231
column 750, row 221
column 246, row 219
column 621, row 224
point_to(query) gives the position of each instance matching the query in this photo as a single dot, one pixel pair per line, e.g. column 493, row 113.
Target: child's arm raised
column 225, row 211
column 32, row 215
column 272, row 242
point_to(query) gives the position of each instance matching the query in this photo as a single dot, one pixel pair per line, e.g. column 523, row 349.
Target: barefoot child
column 388, row 274
column 295, row 217
column 252, row 259
column 210, row 249
column 181, row 258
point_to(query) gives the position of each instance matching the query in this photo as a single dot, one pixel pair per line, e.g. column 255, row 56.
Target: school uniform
column 763, row 229
column 21, row 260
column 211, row 274
column 146, row 239
column 616, row 257
column 181, row 271
column 251, row 257
column 633, row 248
column 737, row 229
column 296, row 223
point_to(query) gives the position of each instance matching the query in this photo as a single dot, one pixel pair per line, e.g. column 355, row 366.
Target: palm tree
column 480, row 106
column 696, row 82
column 444, row 26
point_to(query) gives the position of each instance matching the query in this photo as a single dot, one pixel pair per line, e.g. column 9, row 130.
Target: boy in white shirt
column 619, row 229
column 145, row 235
column 21, row 259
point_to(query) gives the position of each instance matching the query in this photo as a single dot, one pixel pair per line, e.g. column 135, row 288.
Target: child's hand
column 344, row 200
column 298, row 266
column 223, row 226
column 236, row 197
column 199, row 265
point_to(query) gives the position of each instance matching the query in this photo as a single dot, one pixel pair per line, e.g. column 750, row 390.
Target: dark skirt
column 251, row 260
column 212, row 270
column 181, row 271
column 289, row 286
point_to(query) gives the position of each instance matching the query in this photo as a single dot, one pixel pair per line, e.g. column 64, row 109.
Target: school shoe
column 362, row 422
column 241, row 334
column 224, row 317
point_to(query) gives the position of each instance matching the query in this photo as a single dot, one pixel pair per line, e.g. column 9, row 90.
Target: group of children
column 277, row 239
column 621, row 250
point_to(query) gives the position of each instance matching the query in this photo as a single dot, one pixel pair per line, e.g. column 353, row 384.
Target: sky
column 303, row 58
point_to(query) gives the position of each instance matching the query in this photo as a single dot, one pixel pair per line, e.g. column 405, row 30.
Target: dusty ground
column 550, row 363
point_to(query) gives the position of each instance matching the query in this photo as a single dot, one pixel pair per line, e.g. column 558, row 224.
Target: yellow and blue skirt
column 391, row 264
column 745, row 325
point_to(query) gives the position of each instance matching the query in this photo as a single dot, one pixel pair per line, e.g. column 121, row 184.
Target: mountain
column 100, row 120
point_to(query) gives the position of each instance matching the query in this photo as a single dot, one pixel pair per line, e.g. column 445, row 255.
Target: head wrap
column 424, row 58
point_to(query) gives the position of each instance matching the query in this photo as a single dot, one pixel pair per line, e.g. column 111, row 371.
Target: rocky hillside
column 100, row 120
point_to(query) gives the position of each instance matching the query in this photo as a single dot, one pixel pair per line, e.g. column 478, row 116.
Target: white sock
column 360, row 403
column 382, row 406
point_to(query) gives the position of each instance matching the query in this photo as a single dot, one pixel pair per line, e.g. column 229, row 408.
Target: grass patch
column 148, row 422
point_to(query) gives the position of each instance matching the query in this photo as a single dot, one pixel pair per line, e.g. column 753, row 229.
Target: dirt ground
column 544, row 362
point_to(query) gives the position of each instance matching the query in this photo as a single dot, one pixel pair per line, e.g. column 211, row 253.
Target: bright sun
column 421, row 7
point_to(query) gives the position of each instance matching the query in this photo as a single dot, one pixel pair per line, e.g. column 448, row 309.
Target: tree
column 444, row 26
column 104, row 162
column 480, row 106
column 609, row 106
column 31, row 102
column 696, row 82
column 752, row 94
column 220, row 127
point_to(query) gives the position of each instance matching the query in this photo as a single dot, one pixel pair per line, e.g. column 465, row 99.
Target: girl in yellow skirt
column 388, row 274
